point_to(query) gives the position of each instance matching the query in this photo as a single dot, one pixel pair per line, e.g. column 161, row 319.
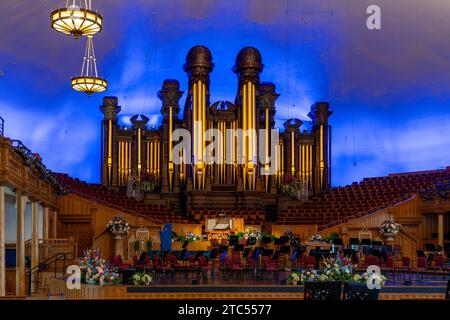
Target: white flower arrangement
column 141, row 278
column 118, row 224
column 335, row 270
column 389, row 226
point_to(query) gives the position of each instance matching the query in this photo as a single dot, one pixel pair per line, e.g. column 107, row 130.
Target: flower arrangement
column 249, row 234
column 335, row 269
column 316, row 237
column 389, row 226
column 332, row 237
column 94, row 269
column 289, row 186
column 381, row 279
column 118, row 225
column 302, row 277
column 188, row 236
column 149, row 183
column 140, row 278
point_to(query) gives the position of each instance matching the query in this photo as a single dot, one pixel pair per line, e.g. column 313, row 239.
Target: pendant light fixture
column 89, row 82
column 77, row 19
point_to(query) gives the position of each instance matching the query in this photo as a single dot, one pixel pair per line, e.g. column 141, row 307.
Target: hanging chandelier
column 89, row 81
column 77, row 19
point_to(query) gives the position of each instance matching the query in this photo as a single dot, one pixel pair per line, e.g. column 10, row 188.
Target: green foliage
column 136, row 246
column 149, row 244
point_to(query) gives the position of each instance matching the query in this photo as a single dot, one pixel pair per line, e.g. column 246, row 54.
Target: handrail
column 33, row 160
column 62, row 256
column 354, row 216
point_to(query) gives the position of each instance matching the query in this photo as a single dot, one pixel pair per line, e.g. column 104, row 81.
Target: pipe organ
column 233, row 129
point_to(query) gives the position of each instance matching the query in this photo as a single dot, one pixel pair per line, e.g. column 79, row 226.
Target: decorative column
column 441, row 229
column 20, row 245
column 34, row 240
column 2, row 242
column 291, row 134
column 54, row 234
column 118, row 245
column 198, row 67
column 248, row 66
column 110, row 109
column 170, row 95
column 45, row 223
column 266, row 108
column 322, row 133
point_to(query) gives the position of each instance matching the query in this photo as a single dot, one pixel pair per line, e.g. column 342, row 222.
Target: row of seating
column 119, row 200
column 359, row 199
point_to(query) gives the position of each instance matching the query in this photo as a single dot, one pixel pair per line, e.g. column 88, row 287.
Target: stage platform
column 247, row 291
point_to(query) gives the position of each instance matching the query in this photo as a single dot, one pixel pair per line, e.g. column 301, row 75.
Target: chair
column 118, row 263
column 323, row 291
column 204, row 266
column 421, row 266
column 359, row 291
column 234, row 268
column 310, row 262
column 143, row 262
column 438, row 265
column 389, row 266
column 370, row 260
column 270, row 266
column 405, row 267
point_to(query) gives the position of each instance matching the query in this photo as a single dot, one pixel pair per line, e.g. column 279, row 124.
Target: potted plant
column 389, row 229
column 140, row 278
column 294, row 278
column 149, row 244
column 118, row 226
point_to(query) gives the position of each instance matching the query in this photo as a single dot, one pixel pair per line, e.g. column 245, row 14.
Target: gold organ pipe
column 304, row 154
column 321, row 156
column 267, row 136
column 170, row 134
column 195, row 134
column 125, row 163
column 152, row 166
column 110, row 151
column 307, row 164
column 139, row 164
column 292, row 153
column 158, row 156
column 122, row 161
column 119, row 145
column 149, row 168
column 254, row 140
column 203, row 129
column 244, row 129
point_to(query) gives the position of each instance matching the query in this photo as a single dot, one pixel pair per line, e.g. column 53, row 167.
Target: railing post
column 64, row 267
column 29, row 283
